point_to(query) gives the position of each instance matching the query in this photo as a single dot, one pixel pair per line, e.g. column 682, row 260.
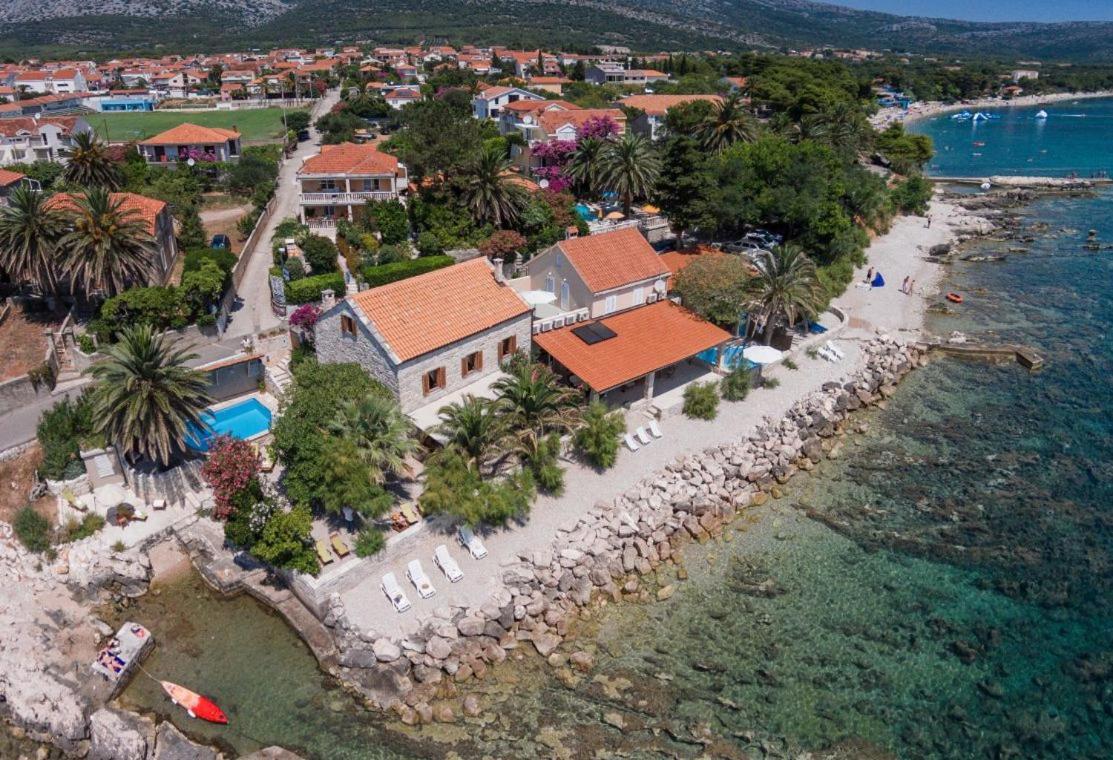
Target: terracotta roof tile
column 612, row 259
column 349, row 158
column 658, row 105
column 647, row 338
column 433, row 310
column 553, row 120
column 191, row 134
column 8, row 177
column 143, row 207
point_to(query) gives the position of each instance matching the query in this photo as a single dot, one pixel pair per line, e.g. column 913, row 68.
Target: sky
column 992, row 10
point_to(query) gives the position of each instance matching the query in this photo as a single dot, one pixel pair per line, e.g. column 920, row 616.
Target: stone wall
column 608, row 549
column 20, row 392
column 334, row 347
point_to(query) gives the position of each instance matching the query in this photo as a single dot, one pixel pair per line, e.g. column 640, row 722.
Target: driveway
column 253, row 313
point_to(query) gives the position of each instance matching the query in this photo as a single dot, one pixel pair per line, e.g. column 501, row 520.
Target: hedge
column 401, row 270
column 308, row 289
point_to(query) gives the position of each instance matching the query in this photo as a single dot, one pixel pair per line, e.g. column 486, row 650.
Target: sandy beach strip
column 928, row 109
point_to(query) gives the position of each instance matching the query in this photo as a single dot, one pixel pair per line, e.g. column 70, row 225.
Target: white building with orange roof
column 431, row 338
column 340, row 179
column 489, row 102
column 190, row 141
column 654, row 108
column 24, row 139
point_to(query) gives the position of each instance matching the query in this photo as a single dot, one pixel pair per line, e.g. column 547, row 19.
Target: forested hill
column 120, row 26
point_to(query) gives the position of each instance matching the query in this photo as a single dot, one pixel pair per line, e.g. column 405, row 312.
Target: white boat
column 1041, row 114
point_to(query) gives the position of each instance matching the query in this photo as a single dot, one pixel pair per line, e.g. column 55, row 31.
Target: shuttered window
column 507, row 347
column 347, row 325
column 471, row 363
column 432, row 380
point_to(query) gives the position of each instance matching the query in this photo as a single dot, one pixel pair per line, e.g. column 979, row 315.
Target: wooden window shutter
column 463, row 366
column 425, row 383
column 479, row 360
column 440, row 377
column 513, row 346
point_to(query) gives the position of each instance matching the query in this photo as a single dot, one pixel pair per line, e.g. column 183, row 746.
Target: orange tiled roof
column 192, row 134
column 612, row 259
column 553, row 120
column 550, row 80
column 13, row 126
column 8, row 177
column 432, row 310
column 143, row 207
column 658, row 105
column 647, row 338
column 678, row 260
column 349, row 158
column 530, row 106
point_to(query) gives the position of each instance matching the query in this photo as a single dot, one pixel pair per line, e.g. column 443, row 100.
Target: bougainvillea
column 503, row 244
column 231, row 466
column 305, row 316
column 555, row 156
column 597, row 127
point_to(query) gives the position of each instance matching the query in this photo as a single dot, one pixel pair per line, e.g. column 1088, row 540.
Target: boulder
column 119, row 735
column 438, row 648
column 172, row 744
column 544, row 642
column 386, row 650
column 471, row 626
column 582, row 661
column 471, row 706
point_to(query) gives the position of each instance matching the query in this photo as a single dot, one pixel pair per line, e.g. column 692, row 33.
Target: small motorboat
column 979, row 144
column 954, row 298
column 195, row 704
column 1041, row 114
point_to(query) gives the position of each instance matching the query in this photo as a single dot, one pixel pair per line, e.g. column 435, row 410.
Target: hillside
column 118, row 26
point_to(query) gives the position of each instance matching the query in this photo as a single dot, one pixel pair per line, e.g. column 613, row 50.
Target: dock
column 1022, row 355
column 1031, row 183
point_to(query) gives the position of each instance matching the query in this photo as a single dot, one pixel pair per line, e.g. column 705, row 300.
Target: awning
column 609, row 352
column 762, row 354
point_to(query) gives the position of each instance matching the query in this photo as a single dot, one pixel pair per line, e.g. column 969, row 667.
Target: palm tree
column 146, row 396
column 489, row 191
column 474, row 426
column 728, row 123
column 380, row 432
column 842, row 126
column 630, row 167
column 89, row 165
column 29, row 235
column 786, row 285
column 534, row 401
column 107, row 247
column 586, row 164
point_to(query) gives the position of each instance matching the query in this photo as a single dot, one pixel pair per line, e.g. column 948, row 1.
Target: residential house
column 25, row 139
column 9, row 181
column 553, row 84
column 651, row 122
column 398, row 97
column 1017, row 74
column 598, row 274
column 558, row 123
column 522, row 116
column 340, row 179
column 157, row 221
column 429, row 338
column 66, row 80
column 190, row 141
column 489, row 102
column 605, row 72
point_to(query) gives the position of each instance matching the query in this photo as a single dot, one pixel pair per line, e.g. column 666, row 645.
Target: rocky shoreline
column 606, row 553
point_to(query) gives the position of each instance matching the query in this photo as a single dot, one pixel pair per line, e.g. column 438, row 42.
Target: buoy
column 954, row 298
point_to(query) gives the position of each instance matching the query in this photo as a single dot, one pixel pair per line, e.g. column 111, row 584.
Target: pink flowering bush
column 305, row 316
column 598, row 127
column 231, row 466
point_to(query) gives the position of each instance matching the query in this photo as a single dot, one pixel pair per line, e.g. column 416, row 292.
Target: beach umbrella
column 614, row 215
column 762, row 354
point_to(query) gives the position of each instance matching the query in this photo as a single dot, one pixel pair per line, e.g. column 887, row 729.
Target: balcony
column 338, row 198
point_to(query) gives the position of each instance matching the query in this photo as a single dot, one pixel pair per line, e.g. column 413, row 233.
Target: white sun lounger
column 394, row 593
column 471, row 542
column 835, row 349
column 642, row 436
column 448, row 566
column 631, row 443
column 655, row 429
column 827, row 355
column 416, row 573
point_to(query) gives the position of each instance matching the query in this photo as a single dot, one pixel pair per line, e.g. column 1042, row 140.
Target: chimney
column 500, row 275
column 328, row 299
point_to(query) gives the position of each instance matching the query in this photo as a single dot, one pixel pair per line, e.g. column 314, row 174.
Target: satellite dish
column 543, row 184
column 659, row 286
column 527, row 119
column 190, row 162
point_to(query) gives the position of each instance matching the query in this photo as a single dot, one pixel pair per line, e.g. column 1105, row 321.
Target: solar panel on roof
column 596, row 332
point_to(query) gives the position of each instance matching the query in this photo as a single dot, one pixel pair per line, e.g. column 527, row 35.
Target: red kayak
column 196, row 705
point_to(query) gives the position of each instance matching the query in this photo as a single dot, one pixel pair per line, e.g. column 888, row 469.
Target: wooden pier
column 1022, row 355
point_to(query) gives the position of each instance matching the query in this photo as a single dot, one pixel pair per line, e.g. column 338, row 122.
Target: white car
column 447, row 565
column 416, row 573
column 394, row 592
column 471, row 542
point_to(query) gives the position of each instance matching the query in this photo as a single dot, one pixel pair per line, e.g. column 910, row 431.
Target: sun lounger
column 642, row 436
column 471, row 542
column 835, row 349
column 338, row 545
column 655, row 429
column 409, row 513
column 631, row 443
column 323, row 553
column 446, row 563
column 827, row 354
column 394, row 593
column 416, row 573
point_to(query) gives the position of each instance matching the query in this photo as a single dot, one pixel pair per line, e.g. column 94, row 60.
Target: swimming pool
column 244, row 420
column 732, row 357
column 586, row 212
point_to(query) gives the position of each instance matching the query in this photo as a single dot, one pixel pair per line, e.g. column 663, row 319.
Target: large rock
column 386, row 650
column 118, row 735
column 40, row 703
column 438, row 648
column 545, row 642
column 471, row 626
column 172, row 744
column 272, row 753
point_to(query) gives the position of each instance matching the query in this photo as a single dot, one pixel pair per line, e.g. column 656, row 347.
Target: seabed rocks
column 606, row 552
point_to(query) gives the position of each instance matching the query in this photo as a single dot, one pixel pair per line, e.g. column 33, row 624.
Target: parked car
column 764, row 238
column 394, row 593
column 744, row 246
column 416, row 573
column 471, row 542
column 303, row 135
column 221, row 241
column 443, row 560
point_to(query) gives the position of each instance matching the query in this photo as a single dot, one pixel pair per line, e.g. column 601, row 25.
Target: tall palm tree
column 380, row 432
column 630, row 167
column 534, row 401
column 842, row 126
column 728, row 123
column 88, row 164
column 145, row 395
column 29, row 235
column 586, row 163
column 786, row 285
column 474, row 426
column 107, row 247
column 488, row 190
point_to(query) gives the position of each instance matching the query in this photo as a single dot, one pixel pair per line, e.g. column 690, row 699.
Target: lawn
column 256, row 125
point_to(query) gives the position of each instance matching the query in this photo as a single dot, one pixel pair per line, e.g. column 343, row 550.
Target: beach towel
column 878, row 281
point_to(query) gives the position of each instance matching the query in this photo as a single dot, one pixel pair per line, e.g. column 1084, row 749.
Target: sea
column 940, row 590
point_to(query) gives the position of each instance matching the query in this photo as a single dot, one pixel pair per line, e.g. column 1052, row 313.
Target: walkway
column 253, row 314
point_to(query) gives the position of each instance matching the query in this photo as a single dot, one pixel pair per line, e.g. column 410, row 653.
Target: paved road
column 18, row 426
column 253, row 313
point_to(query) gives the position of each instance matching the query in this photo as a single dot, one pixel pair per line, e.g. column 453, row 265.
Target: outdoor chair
column 655, row 429
column 631, row 443
column 323, row 552
column 642, row 436
column 338, row 545
column 835, row 349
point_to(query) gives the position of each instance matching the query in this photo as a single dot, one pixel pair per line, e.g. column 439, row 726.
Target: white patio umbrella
column 538, row 297
column 762, row 354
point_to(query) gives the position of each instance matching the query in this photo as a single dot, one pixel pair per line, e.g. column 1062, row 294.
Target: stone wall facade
column 608, row 549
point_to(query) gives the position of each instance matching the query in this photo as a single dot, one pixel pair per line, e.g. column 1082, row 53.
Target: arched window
column 565, row 295
column 550, row 283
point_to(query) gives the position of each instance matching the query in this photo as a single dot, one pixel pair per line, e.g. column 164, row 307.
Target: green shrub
column 295, row 267
column 196, row 258
column 390, row 219
column 770, row 383
column 789, row 364
column 369, row 542
column 387, row 273
column 61, row 430
column 32, row 529
column 321, row 254
column 701, row 401
column 86, row 344
column 597, row 439
column 89, row 524
column 160, row 307
column 912, row 195
column 736, row 385
column 308, row 289
column 428, row 244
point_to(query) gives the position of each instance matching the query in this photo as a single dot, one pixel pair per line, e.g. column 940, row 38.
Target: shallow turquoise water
column 1074, row 138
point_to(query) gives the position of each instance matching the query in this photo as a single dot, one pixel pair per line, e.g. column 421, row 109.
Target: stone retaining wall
column 607, row 549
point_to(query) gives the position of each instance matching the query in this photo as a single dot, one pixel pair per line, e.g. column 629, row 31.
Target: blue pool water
column 586, row 213
column 243, row 420
column 732, row 357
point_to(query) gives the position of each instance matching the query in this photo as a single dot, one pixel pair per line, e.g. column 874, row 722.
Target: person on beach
column 869, row 275
column 904, row 285
column 911, row 287
column 929, row 222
